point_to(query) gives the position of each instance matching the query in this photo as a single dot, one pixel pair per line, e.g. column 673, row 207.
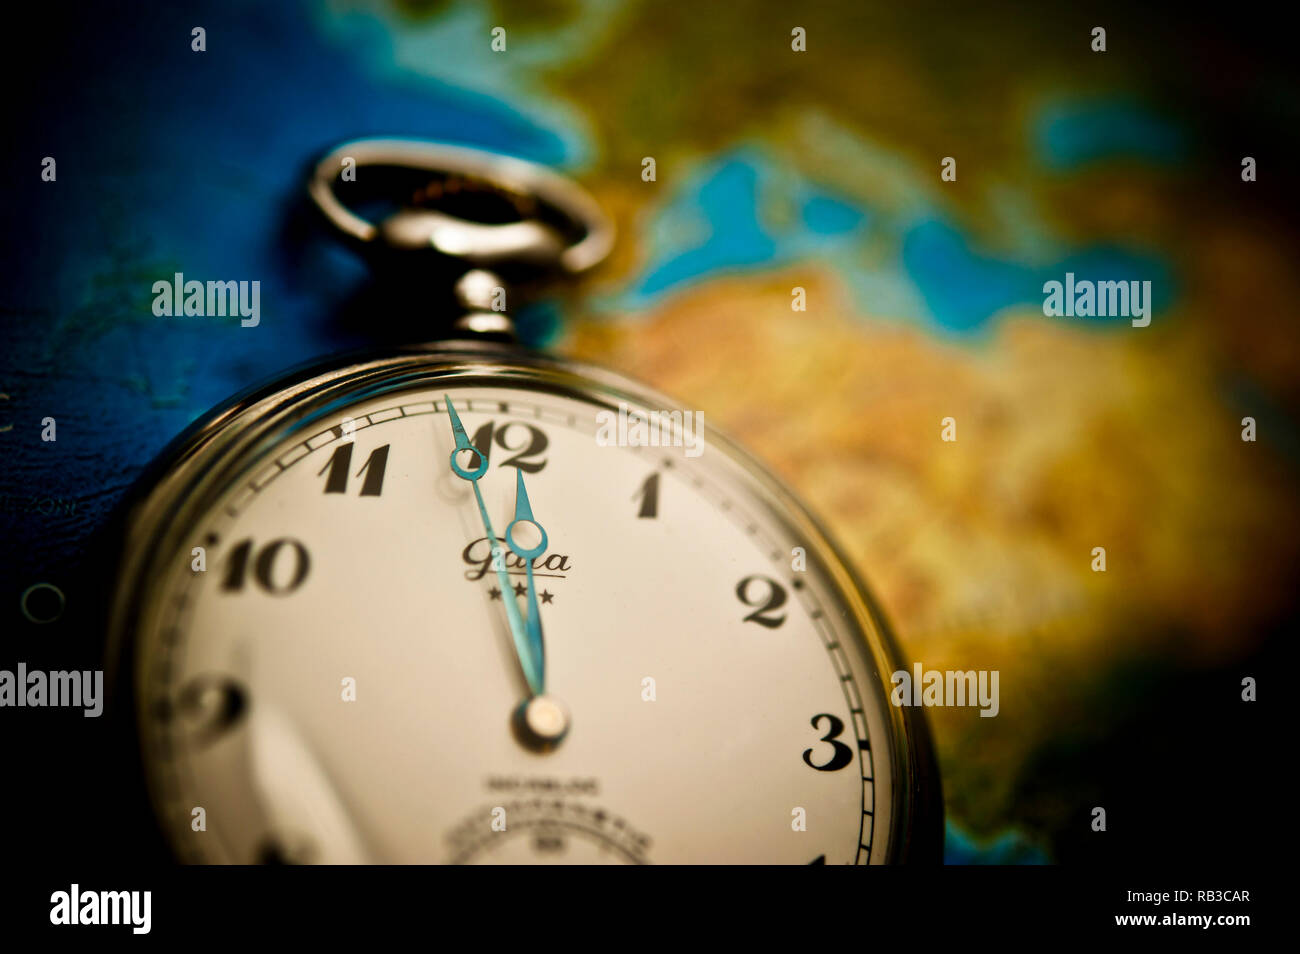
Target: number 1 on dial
column 649, row 494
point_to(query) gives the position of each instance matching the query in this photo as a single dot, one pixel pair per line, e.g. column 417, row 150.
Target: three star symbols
column 520, row 590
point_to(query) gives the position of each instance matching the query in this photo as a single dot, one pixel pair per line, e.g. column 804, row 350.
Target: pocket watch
column 466, row 602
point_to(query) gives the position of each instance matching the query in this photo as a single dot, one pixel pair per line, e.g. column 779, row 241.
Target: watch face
column 331, row 649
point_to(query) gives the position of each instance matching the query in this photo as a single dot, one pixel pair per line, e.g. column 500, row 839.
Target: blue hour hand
column 524, row 514
column 542, row 721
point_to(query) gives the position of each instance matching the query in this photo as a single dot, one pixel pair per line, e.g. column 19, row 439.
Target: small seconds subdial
column 339, row 679
column 547, row 831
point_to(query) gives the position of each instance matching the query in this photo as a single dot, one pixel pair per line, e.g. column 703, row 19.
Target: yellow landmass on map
column 981, row 550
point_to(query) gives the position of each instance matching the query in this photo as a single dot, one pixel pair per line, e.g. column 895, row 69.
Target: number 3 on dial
column 842, row 755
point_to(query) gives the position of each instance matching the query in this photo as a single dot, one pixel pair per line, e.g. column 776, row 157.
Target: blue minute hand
column 530, row 662
column 524, row 514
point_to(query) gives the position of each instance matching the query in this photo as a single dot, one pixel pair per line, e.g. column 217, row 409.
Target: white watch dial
column 337, row 684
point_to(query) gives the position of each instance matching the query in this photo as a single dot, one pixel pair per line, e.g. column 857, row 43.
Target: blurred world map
column 776, row 169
